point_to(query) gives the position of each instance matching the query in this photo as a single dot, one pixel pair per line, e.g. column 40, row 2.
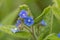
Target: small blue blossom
column 43, row 23
column 59, row 35
column 23, row 14
column 14, row 30
column 18, row 22
column 29, row 21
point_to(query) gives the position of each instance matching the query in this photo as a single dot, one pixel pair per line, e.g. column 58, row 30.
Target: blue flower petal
column 59, row 35
column 14, row 30
column 18, row 23
column 23, row 14
column 29, row 21
column 43, row 23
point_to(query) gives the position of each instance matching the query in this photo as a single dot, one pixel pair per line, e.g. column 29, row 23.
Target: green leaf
column 52, row 19
column 43, row 33
column 21, row 34
column 52, row 24
column 56, row 12
column 57, row 3
column 52, row 37
column 56, row 20
column 39, row 18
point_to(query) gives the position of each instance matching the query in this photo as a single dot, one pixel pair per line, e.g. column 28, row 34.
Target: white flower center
column 15, row 28
column 23, row 14
column 29, row 20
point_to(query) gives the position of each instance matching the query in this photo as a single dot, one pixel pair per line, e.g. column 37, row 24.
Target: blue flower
column 43, row 23
column 59, row 35
column 29, row 21
column 14, row 30
column 18, row 23
column 23, row 14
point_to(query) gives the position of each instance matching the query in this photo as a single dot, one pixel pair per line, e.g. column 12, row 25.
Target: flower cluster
column 28, row 20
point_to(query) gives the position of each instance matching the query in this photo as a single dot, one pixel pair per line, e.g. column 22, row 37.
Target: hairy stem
column 51, row 23
column 32, row 32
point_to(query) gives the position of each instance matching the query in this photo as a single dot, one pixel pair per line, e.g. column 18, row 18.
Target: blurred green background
column 36, row 6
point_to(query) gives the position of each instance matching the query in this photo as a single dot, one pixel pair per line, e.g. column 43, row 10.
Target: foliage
column 40, row 10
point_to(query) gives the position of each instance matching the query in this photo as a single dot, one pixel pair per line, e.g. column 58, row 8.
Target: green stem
column 51, row 23
column 32, row 32
column 38, row 29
